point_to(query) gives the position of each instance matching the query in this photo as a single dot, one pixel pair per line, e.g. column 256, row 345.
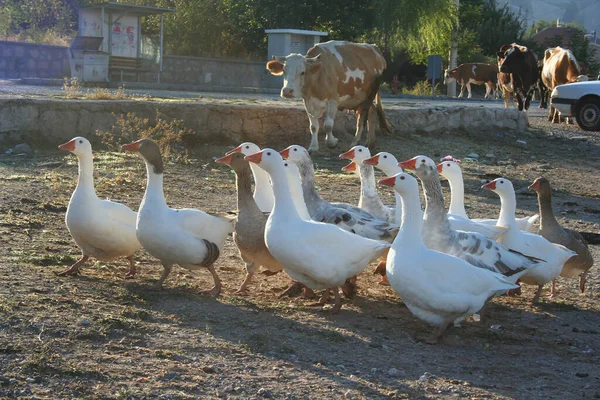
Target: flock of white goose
column 444, row 265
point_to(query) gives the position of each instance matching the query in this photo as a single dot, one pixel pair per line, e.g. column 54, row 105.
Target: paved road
column 10, row 89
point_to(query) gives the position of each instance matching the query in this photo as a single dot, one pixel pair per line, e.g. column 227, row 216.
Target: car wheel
column 587, row 114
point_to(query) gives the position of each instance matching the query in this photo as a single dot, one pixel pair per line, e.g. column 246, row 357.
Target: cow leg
column 550, row 113
column 371, row 128
column 506, row 96
column 330, row 112
column 462, row 89
column 519, row 101
column 314, row 134
column 469, row 89
column 361, row 121
column 528, row 99
column 488, row 89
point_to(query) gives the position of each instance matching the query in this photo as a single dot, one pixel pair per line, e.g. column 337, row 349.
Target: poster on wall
column 124, row 37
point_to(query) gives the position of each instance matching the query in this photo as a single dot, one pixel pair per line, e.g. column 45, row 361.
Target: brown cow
column 335, row 76
column 560, row 67
column 477, row 73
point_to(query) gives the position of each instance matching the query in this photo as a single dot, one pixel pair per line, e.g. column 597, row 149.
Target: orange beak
column 349, row 155
column 236, row 150
column 255, row 158
column 440, row 167
column 391, row 181
column 350, row 167
column 372, row 161
column 285, row 153
column 131, row 147
column 490, row 186
column 226, row 159
column 534, row 186
column 409, row 164
column 69, row 146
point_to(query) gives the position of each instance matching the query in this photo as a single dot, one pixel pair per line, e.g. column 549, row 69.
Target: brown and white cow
column 560, row 67
column 477, row 73
column 335, row 76
column 521, row 63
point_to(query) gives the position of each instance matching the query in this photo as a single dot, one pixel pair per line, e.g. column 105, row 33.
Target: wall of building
column 31, row 60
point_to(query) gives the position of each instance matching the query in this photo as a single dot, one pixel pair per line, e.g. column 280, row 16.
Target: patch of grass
column 172, row 136
column 71, row 87
column 7, row 304
column 106, row 94
column 422, row 88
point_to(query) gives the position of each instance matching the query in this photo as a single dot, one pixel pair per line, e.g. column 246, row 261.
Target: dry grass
column 106, row 94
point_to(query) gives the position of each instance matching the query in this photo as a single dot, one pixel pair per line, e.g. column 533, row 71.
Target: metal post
column 160, row 65
column 102, row 26
column 453, row 54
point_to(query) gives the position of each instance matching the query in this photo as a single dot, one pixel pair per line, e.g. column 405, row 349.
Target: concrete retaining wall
column 31, row 60
column 55, row 121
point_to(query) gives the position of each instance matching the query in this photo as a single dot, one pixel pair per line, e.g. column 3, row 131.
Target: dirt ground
column 101, row 336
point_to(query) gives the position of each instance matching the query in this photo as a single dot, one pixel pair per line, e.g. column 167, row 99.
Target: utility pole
column 453, row 54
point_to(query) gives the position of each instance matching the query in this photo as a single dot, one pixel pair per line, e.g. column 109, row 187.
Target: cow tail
column 384, row 124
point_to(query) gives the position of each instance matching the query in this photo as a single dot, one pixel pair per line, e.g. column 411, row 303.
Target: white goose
column 293, row 175
column 473, row 247
column 369, row 198
column 346, row 216
column 452, row 172
column 187, row 237
column 263, row 192
column 388, row 164
column 554, row 255
column 321, row 256
column 102, row 229
column 457, row 222
column 437, row 288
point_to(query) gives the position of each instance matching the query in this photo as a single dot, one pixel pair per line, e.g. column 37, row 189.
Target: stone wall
column 214, row 72
column 55, row 121
column 31, row 60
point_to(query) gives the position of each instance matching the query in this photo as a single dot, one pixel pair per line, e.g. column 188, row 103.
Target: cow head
column 448, row 76
column 510, row 57
column 294, row 69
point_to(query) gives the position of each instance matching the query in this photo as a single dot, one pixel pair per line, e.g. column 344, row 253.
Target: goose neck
column 367, row 182
column 154, row 187
column 307, row 176
column 411, row 227
column 261, row 178
column 457, row 196
column 86, row 172
column 547, row 217
column 243, row 184
column 435, row 213
column 284, row 203
column 508, row 208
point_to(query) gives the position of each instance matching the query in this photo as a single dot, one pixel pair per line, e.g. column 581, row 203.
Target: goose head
column 268, row 159
column 423, row 166
column 541, row 186
column 245, row 148
column 350, row 167
column 358, row 154
column 149, row 151
column 449, row 169
column 78, row 146
column 292, row 171
column 501, row 186
column 402, row 183
column 382, row 160
column 295, row 153
column 235, row 161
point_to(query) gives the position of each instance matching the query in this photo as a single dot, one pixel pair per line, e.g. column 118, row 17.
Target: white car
column 580, row 100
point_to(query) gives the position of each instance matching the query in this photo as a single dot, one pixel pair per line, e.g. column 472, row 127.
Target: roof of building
column 131, row 9
column 297, row 32
column 544, row 36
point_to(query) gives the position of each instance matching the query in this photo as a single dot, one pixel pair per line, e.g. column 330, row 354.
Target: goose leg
column 74, row 269
column 349, row 287
column 166, row 272
column 293, row 290
column 250, row 270
column 323, row 300
column 216, row 289
column 553, row 290
column 131, row 273
column 380, row 269
column 537, row 295
column 582, row 279
column 337, row 303
column 436, row 334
